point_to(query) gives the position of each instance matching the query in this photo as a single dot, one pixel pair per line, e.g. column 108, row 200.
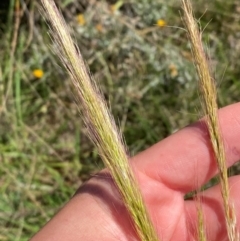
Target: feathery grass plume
column 101, row 127
column 209, row 99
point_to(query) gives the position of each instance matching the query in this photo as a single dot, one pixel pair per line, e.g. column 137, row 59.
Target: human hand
column 165, row 172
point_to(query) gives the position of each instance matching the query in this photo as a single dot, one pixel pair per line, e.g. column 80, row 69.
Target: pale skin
column 165, row 173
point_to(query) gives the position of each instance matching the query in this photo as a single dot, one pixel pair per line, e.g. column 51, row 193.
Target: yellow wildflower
column 173, row 70
column 161, row 23
column 80, row 19
column 99, row 27
column 112, row 8
column 116, row 6
column 38, row 73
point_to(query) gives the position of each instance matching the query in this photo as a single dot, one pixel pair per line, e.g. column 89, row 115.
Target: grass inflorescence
column 207, row 85
column 101, row 127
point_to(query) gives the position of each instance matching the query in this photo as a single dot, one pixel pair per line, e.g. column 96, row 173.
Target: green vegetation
column 145, row 72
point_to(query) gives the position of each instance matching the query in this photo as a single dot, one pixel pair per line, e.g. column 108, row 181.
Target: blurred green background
column 139, row 55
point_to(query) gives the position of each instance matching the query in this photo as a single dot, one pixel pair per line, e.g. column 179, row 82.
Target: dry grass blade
column 102, row 129
column 209, row 99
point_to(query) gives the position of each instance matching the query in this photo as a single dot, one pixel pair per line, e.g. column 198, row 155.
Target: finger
column 184, row 161
column 213, row 212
